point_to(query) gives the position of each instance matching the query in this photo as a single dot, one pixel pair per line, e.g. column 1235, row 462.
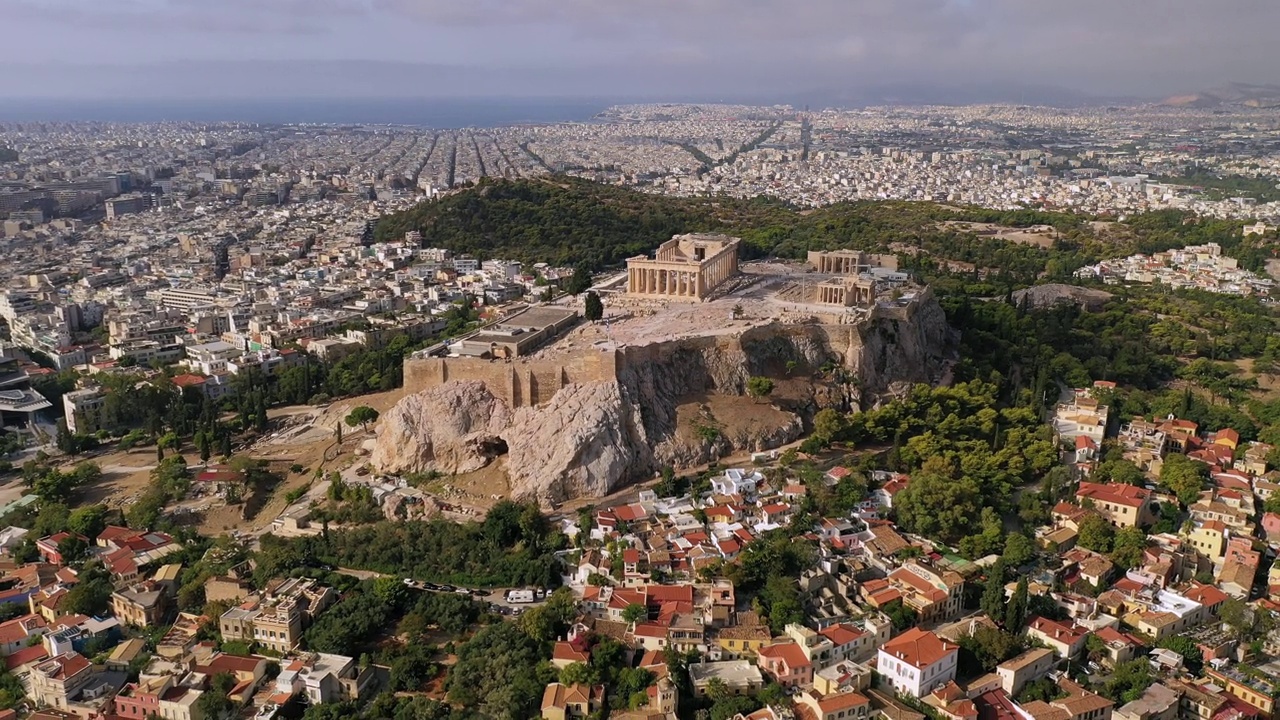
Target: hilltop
column 1244, row 94
column 566, row 221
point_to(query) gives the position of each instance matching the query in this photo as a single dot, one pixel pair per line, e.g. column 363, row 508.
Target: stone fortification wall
column 519, row 383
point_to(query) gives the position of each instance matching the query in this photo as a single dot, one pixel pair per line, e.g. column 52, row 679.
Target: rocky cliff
column 453, row 428
column 681, row 403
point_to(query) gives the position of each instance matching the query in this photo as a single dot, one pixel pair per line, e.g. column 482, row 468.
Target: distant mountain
column 1242, row 94
column 954, row 94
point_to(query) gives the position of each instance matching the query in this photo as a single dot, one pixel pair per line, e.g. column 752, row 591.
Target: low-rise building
column 56, row 681
column 1158, row 702
column 561, row 702
column 277, row 619
column 917, row 661
column 786, row 663
column 1122, row 505
column 1031, row 665
column 324, row 678
column 1065, row 640
column 850, row 705
column 739, row 676
column 141, row 605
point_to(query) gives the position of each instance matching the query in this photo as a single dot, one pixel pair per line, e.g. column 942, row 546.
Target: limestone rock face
column 586, row 442
column 680, row 402
column 453, row 428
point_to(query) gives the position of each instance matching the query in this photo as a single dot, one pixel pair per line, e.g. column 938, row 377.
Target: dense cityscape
column 291, row 432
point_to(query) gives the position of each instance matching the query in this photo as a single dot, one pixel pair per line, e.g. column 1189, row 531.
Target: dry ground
column 1012, row 234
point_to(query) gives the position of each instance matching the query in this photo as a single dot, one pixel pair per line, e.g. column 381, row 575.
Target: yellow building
column 1209, row 539
column 742, row 640
column 1122, row 505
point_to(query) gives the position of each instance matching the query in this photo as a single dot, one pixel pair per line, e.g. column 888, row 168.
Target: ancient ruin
column 850, row 262
column 658, row 383
column 686, row 267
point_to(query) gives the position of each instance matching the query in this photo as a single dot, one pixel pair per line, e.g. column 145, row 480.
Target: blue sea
column 428, row 112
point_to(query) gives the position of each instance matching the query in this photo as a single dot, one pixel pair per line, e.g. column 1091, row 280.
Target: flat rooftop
column 539, row 317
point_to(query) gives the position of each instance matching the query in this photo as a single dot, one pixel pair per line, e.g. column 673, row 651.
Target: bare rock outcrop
column 588, row 441
column 680, row 402
column 453, row 428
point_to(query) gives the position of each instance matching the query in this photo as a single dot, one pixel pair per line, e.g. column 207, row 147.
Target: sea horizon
column 443, row 113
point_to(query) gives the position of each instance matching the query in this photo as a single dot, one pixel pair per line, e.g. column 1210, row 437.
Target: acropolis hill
column 662, row 381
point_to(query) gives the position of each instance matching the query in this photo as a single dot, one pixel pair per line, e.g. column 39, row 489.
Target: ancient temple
column 686, row 267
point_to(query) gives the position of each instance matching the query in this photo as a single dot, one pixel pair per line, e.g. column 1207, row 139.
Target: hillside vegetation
column 565, row 221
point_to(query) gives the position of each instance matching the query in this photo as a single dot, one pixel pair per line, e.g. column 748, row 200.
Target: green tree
column 1018, row 549
column 1128, row 681
column 593, row 308
column 578, row 674
column 73, row 549
column 989, row 647
column 759, row 387
column 634, row 612
column 361, row 415
column 89, row 520
column 1120, row 471
column 215, row 703
column 828, row 423
column 1128, row 546
column 781, row 603
column 1191, row 654
column 1015, row 614
column 1095, row 534
column 145, row 513
column 65, row 441
column 1184, row 476
column 580, row 281
column 992, row 602
column 937, row 505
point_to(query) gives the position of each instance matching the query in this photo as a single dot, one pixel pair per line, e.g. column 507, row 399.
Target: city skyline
column 846, row 51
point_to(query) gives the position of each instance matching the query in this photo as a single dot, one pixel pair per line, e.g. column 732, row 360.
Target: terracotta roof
column 566, row 651
column 1115, row 493
column 653, row 658
column 657, row 594
column 187, row 380
column 788, row 652
column 841, row 634
column 842, row 701
column 1059, row 632
column 19, row 629
column 35, row 653
column 231, row 664
column 918, row 648
column 1207, row 595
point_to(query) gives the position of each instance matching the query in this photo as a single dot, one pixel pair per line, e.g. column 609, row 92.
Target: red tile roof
column 841, row 634
column 788, row 653
column 1115, row 493
column 918, row 648
column 35, row 653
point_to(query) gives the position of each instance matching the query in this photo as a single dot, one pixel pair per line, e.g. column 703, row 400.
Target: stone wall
column 520, row 383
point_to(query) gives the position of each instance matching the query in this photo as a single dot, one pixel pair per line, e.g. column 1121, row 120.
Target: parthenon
column 686, row 267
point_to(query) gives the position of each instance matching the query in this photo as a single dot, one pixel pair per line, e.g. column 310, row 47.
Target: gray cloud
column 1138, row 47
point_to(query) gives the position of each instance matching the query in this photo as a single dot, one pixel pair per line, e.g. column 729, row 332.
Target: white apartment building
column 917, row 661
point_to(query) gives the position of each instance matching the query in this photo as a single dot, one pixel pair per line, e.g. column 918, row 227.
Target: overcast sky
column 628, row 48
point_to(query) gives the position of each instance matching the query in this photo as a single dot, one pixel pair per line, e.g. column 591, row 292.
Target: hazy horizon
column 817, row 51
